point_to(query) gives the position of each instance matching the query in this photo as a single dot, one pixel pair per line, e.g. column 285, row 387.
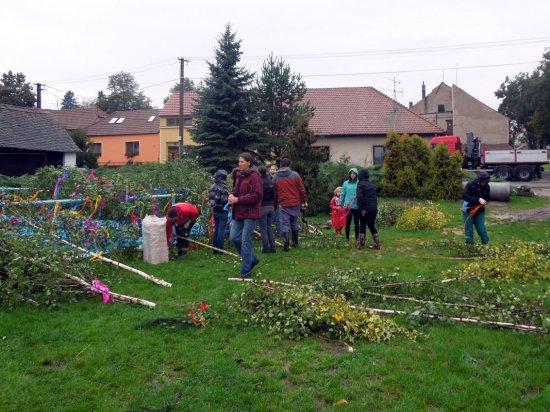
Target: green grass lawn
column 87, row 356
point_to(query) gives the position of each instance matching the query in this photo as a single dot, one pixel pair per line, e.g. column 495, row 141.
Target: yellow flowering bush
column 421, row 217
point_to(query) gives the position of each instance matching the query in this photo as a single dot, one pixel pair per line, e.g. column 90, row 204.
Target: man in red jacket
column 183, row 216
column 290, row 194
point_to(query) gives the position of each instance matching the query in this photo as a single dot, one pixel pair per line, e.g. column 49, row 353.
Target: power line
column 328, row 55
column 417, row 70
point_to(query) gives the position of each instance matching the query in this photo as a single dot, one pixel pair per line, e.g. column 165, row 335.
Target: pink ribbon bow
column 99, row 287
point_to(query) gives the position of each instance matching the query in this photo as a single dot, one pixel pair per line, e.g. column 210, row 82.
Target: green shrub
column 388, row 213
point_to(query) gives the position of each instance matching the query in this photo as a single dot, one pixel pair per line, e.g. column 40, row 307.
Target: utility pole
column 181, row 136
column 39, row 89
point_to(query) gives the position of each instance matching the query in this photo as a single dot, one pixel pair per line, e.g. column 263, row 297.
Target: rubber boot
column 361, row 241
column 294, row 238
column 286, row 242
column 376, row 240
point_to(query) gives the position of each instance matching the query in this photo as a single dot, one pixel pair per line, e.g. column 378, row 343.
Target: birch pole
column 115, row 296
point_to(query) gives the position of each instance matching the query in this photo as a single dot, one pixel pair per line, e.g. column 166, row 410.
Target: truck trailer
column 518, row 164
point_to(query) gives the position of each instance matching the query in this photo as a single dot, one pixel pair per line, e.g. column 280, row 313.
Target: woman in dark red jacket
column 246, row 199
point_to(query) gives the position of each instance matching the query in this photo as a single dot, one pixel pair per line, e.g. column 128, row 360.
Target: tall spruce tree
column 278, row 93
column 306, row 160
column 69, row 101
column 224, row 122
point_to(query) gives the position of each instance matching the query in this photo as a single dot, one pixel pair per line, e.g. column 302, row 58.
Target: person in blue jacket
column 348, row 199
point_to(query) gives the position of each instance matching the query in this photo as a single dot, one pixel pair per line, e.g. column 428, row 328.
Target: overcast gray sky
column 75, row 45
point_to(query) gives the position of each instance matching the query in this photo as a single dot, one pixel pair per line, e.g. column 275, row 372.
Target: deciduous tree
column 526, row 101
column 14, row 90
column 124, row 94
column 85, row 158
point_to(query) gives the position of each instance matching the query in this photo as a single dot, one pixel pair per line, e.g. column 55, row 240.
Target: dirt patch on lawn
column 501, row 211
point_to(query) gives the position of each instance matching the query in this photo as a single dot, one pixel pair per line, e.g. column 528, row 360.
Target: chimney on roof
column 410, row 105
column 424, row 98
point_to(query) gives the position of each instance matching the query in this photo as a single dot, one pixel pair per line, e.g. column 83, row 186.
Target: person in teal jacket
column 348, row 199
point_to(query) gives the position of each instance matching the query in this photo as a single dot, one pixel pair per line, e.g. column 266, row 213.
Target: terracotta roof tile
column 362, row 111
column 81, row 118
column 135, row 122
column 33, row 129
column 172, row 106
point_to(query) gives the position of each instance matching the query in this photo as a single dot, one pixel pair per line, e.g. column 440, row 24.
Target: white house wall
column 358, row 148
column 69, row 159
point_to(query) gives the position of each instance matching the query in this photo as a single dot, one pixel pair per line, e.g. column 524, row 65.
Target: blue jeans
column 220, row 222
column 266, row 230
column 241, row 237
column 477, row 221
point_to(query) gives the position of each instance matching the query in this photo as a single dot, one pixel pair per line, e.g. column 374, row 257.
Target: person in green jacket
column 348, row 199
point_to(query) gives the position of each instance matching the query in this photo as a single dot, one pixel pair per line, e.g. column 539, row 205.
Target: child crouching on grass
column 337, row 212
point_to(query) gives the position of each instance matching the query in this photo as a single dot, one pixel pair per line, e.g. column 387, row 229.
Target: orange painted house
column 126, row 137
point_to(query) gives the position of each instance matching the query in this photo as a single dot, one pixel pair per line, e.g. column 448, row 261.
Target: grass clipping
column 296, row 312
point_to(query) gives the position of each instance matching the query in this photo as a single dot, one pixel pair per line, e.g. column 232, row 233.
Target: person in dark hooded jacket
column 367, row 204
column 217, row 199
column 475, row 196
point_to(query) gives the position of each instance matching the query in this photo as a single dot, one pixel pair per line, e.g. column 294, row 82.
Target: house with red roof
column 81, row 118
column 170, row 140
column 126, row 137
column 355, row 121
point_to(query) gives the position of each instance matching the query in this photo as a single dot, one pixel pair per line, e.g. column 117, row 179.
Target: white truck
column 509, row 164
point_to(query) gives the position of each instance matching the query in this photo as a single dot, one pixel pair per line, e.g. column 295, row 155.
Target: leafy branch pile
column 484, row 299
column 40, row 268
column 296, row 312
column 37, row 272
column 517, row 261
